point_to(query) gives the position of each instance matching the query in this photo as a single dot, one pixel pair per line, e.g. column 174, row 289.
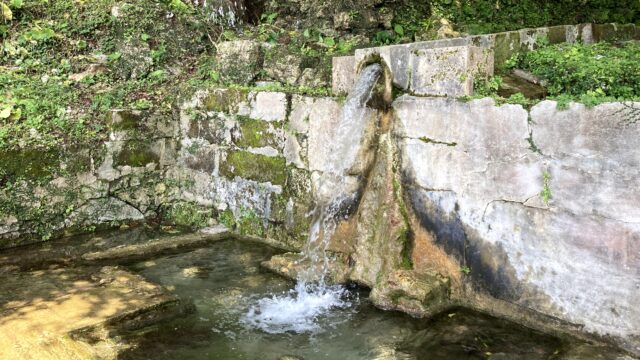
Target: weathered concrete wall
column 475, row 174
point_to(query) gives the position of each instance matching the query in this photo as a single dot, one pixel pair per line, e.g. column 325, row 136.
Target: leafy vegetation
column 487, row 16
column 64, row 63
column 189, row 215
column 601, row 70
column 590, row 74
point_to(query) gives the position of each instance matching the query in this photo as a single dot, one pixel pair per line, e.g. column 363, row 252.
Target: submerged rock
column 76, row 313
column 158, row 246
column 416, row 294
column 291, row 265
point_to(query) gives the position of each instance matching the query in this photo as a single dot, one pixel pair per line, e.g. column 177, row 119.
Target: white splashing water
column 300, row 309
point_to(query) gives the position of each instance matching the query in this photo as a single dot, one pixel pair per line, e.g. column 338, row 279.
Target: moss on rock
column 136, row 153
column 256, row 133
column 256, row 167
column 188, row 214
column 225, row 100
column 28, row 164
column 122, row 120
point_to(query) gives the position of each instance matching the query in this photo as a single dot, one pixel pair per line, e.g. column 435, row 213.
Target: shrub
column 598, row 70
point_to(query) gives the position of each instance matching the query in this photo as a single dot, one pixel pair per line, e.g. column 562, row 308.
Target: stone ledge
column 159, row 246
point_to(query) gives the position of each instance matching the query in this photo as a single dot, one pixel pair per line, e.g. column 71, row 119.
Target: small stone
column 342, row 20
column 283, row 67
column 191, row 271
column 135, row 60
column 115, row 11
column 91, row 70
column 239, row 61
column 446, row 30
column 312, row 79
column 160, row 188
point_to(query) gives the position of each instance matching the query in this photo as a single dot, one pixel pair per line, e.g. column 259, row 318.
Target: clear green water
column 225, row 280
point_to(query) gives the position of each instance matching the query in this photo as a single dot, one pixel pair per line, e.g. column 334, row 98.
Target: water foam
column 298, row 310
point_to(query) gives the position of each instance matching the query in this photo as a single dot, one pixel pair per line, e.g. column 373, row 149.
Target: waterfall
column 299, row 309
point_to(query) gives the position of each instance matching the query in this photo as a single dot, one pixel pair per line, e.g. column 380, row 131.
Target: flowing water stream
column 299, row 309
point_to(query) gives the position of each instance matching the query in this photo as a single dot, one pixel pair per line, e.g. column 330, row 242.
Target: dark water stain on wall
column 489, row 265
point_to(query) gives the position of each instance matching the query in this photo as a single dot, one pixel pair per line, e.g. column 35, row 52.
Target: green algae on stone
column 256, row 167
column 121, row 120
column 136, row 153
column 250, row 223
column 225, row 100
column 506, row 44
column 188, row 214
column 28, row 164
column 256, row 133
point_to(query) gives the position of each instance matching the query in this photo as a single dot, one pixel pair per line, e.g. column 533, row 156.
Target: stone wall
column 252, row 156
column 246, row 159
column 79, row 189
column 540, row 205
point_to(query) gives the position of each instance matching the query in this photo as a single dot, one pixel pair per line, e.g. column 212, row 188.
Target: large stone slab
column 160, row 246
column 265, row 105
column 239, row 61
column 449, row 71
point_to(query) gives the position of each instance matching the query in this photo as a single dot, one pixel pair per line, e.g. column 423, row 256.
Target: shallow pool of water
column 225, row 281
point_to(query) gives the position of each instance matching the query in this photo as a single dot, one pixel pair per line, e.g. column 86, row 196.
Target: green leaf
column 16, row 114
column 6, row 12
column 6, row 112
column 114, row 56
column 330, row 42
column 214, row 75
column 157, row 74
column 16, row 4
column 306, row 33
column 145, row 37
column 399, row 29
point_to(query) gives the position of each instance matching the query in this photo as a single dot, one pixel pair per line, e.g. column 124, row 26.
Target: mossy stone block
column 614, row 32
column 224, row 100
column 557, row 34
column 256, row 133
column 28, row 164
column 255, row 167
column 506, row 44
column 123, row 120
column 136, row 153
